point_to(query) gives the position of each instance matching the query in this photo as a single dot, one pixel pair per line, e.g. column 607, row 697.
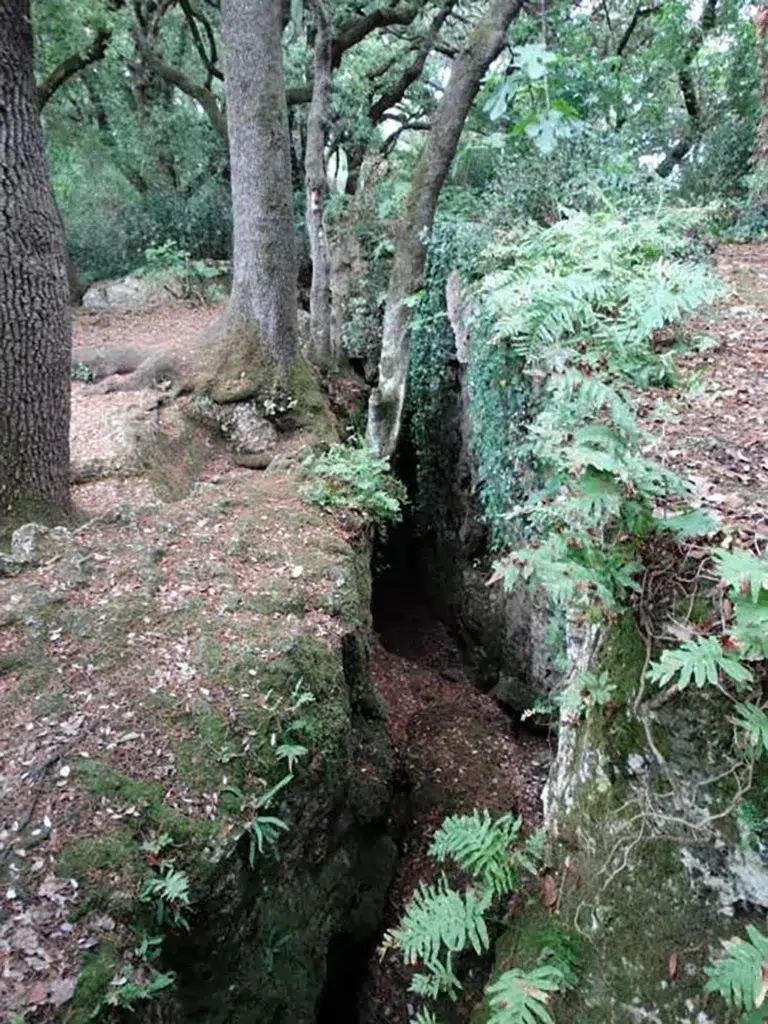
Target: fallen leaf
column 672, row 966
column 549, row 890
column 62, row 990
column 37, row 993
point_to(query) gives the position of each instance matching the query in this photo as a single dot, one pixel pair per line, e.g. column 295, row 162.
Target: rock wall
column 652, row 859
column 504, row 635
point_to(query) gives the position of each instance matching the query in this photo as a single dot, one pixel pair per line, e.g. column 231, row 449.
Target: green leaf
column 440, row 919
column 691, row 524
column 740, row 977
column 483, row 847
column 744, row 572
column 750, row 629
column 533, row 60
column 523, row 997
column 697, row 661
column 753, row 723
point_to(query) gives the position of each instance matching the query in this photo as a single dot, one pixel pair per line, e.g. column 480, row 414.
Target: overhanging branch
column 72, row 66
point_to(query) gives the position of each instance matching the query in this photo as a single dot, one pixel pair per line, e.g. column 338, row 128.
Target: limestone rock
column 33, row 544
column 239, row 423
column 131, row 294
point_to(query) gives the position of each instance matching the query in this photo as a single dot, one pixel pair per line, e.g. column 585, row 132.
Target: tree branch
column 640, row 12
column 205, row 97
column 413, row 72
column 72, row 66
column 353, row 32
column 209, row 60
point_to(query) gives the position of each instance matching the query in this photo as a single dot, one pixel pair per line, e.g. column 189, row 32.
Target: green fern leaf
column 744, row 572
column 483, row 847
column 425, row 1016
column 522, row 997
column 439, row 918
column 750, row 630
column 697, row 661
column 741, row 977
column 753, row 723
column 691, row 524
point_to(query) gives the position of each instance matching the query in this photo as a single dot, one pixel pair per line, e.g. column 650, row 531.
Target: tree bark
column 262, row 305
column 317, row 191
column 760, row 153
column 35, row 326
column 484, row 45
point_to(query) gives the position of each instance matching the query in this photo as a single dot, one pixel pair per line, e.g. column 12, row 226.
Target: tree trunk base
column 231, row 363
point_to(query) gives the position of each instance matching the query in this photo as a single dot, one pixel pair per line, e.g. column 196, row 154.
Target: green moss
column 117, row 853
column 105, row 781
column 623, row 656
column 311, row 411
column 282, row 599
column 92, row 984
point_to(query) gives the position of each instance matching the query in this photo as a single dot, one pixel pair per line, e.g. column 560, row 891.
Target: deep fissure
column 410, row 631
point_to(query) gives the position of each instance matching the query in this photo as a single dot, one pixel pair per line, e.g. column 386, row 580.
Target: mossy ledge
column 181, row 652
column 652, row 867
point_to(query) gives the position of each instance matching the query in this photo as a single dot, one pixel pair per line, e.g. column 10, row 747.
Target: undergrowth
column 570, row 323
column 353, row 478
column 441, row 923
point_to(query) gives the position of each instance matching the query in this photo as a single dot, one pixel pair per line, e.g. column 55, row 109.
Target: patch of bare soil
column 714, row 428
column 175, row 322
column 459, row 751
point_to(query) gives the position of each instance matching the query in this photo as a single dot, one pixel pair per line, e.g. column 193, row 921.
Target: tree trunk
column 262, row 306
column 35, row 326
column 760, row 154
column 484, row 45
column 317, row 190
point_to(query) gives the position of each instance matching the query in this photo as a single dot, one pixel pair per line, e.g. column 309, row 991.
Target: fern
column 741, row 977
column 752, row 721
column 425, row 1016
column 700, row 662
column 440, row 979
column 747, row 574
column 750, row 629
column 484, row 847
column 523, row 997
column 439, row 919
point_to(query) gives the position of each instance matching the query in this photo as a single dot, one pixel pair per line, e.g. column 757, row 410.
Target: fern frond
column 747, row 574
column 752, row 721
column 523, row 997
column 741, row 977
column 440, row 979
column 750, row 629
column 697, row 661
column 483, row 847
column 438, row 919
column 425, row 1016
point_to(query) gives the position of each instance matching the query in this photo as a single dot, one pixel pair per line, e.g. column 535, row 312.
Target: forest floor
column 713, row 428
column 455, row 747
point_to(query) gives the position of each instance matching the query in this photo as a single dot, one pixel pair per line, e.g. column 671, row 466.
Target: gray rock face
column 131, row 294
column 33, row 544
column 240, row 423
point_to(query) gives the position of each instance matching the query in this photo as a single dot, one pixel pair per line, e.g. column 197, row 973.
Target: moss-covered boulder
column 653, row 859
column 197, row 771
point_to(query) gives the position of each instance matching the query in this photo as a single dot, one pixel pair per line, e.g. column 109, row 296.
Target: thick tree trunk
column 317, row 190
column 35, row 326
column 262, row 306
column 484, row 45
